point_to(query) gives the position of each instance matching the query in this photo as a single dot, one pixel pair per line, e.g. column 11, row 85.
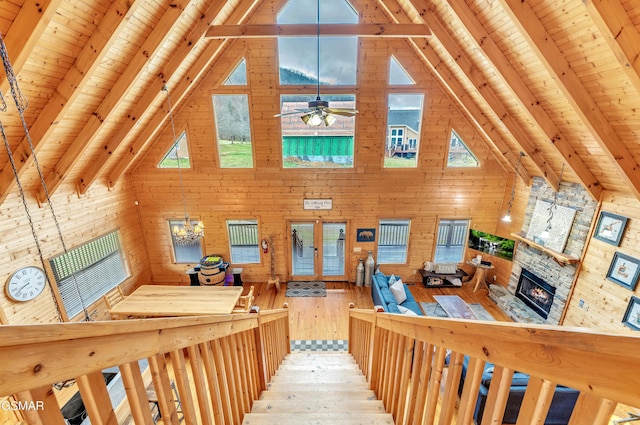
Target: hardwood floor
column 327, row 317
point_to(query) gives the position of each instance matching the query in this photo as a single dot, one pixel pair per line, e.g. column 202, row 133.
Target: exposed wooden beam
column 198, row 69
column 103, row 113
column 459, row 96
column 68, row 90
column 620, row 34
column 89, row 175
column 483, row 87
column 309, row 30
column 24, row 33
column 593, row 118
column 527, row 101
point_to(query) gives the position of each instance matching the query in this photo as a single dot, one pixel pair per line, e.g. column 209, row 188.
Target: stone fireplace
column 546, row 301
column 536, row 293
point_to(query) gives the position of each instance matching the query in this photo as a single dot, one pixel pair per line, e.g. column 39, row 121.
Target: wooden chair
column 113, row 298
column 245, row 302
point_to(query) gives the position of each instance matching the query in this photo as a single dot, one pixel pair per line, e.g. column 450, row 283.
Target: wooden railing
column 202, row 370
column 415, row 366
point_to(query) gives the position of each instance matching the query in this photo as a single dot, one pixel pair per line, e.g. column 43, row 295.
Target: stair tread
column 316, row 365
column 319, row 405
column 319, row 378
column 330, row 387
column 318, row 419
column 318, row 371
column 312, row 395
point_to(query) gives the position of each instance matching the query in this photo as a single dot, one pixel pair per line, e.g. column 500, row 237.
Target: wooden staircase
column 318, row 388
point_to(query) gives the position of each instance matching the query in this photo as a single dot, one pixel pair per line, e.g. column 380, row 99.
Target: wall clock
column 26, row 283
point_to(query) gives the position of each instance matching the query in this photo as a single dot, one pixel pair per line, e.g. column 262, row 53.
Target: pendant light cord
column 318, row 46
column 175, row 146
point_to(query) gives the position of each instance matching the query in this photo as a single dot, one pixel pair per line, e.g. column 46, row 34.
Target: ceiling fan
column 318, row 111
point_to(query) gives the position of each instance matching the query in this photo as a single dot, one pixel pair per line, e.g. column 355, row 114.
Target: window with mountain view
column 233, row 130
column 298, row 57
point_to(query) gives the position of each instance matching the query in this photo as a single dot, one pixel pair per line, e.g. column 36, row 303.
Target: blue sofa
column 560, row 410
column 382, row 296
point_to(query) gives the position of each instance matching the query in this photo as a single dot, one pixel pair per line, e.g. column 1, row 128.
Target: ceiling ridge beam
column 457, row 93
column 525, row 97
column 484, row 89
column 308, row 30
column 89, row 175
column 25, row 31
column 103, row 112
column 620, row 34
column 68, row 90
column 590, row 114
column 200, row 66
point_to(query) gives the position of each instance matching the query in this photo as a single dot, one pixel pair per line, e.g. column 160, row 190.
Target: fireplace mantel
column 560, row 257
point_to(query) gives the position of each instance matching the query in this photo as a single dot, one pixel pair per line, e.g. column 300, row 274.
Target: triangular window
column 178, row 151
column 238, row 76
column 459, row 154
column 397, row 74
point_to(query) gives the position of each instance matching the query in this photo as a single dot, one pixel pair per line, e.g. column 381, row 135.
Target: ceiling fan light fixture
column 329, row 119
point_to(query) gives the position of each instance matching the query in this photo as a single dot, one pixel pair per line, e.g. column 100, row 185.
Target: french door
column 317, row 250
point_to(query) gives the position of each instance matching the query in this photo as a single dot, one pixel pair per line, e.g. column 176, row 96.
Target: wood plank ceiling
column 558, row 80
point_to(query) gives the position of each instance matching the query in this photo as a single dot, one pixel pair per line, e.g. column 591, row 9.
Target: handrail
column 409, row 355
column 218, row 365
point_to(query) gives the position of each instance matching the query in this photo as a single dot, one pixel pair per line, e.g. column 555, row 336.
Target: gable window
column 87, row 272
column 397, row 74
column 459, row 154
column 298, row 56
column 403, row 130
column 452, row 237
column 393, row 239
column 179, row 152
column 185, row 253
column 317, row 147
column 238, row 76
column 243, row 241
column 233, row 130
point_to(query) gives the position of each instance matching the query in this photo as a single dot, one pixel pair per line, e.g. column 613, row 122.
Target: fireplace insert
column 536, row 293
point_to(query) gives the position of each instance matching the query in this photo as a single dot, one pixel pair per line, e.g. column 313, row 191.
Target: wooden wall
column 361, row 195
column 81, row 219
column 604, row 301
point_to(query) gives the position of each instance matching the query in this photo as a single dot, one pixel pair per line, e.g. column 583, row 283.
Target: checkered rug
column 319, row 345
column 306, row 289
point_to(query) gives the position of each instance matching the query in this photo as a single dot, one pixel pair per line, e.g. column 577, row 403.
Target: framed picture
column 366, row 235
column 632, row 315
column 610, row 228
column 624, row 271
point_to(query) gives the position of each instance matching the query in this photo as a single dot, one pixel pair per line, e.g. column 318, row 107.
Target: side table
column 480, row 275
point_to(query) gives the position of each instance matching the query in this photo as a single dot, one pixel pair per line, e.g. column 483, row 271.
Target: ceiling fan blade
column 295, row 111
column 341, row 111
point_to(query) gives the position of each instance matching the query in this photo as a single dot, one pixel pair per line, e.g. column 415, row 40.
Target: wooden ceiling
column 557, row 80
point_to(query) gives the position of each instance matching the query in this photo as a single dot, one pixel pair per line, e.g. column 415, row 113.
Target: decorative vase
column 360, row 273
column 369, row 265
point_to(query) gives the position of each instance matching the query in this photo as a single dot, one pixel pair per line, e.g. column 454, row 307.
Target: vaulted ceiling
column 557, row 80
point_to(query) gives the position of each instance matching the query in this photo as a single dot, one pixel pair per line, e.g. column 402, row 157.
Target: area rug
column 435, row 310
column 306, row 289
column 319, row 345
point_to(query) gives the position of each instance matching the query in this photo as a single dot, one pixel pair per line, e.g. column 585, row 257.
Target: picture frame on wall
column 624, row 270
column 366, row 235
column 610, row 228
column 631, row 317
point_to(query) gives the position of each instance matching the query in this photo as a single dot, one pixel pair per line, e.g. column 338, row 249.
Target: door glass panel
column 333, row 235
column 302, row 249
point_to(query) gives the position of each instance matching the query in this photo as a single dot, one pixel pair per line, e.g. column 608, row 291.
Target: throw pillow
column 407, row 311
column 397, row 289
column 392, row 280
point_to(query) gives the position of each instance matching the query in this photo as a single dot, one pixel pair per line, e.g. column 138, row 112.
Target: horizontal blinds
column 243, row 241
column 89, row 271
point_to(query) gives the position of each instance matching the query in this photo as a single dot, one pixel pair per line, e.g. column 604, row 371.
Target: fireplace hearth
column 536, row 293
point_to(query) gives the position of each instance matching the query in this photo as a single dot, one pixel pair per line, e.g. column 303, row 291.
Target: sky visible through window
column 298, row 55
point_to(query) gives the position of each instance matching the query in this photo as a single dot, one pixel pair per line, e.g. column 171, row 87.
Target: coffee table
column 455, row 307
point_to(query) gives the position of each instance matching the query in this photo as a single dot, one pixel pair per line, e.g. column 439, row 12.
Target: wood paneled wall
column 81, row 219
column 361, row 195
column 604, row 301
